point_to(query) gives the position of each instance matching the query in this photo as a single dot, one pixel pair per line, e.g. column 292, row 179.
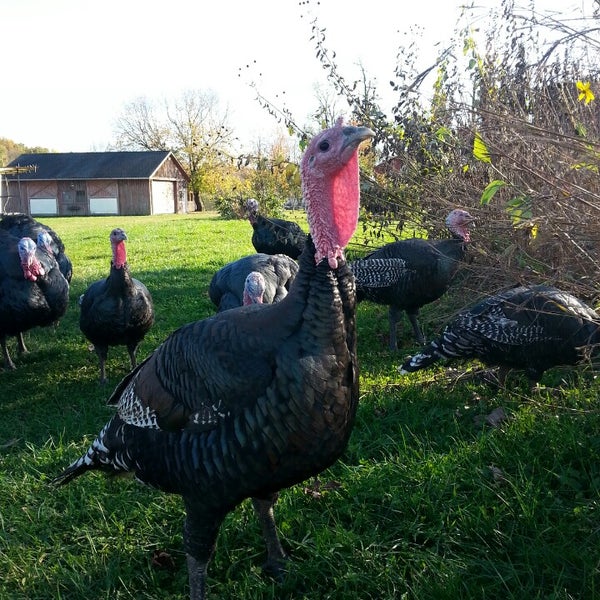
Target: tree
column 9, row 150
column 191, row 126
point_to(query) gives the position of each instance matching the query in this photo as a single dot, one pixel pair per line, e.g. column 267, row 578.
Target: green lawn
column 429, row 501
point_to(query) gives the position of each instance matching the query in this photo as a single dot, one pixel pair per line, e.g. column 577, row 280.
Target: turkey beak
column 356, row 135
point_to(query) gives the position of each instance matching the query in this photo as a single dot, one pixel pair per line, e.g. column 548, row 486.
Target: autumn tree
column 192, row 126
column 9, row 150
column 270, row 174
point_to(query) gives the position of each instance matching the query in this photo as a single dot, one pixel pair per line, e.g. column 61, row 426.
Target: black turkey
column 227, row 284
column 274, row 236
column 33, row 291
column 408, row 274
column 525, row 328
column 118, row 310
column 21, row 225
column 253, row 399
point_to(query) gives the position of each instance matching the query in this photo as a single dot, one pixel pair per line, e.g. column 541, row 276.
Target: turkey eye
column 324, row 146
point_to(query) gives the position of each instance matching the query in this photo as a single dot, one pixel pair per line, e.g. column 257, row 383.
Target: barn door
column 163, row 197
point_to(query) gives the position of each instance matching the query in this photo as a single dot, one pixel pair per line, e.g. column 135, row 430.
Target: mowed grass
column 429, row 502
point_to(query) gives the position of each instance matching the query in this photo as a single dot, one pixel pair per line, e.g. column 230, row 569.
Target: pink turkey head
column 458, row 222
column 254, row 288
column 252, row 209
column 117, row 242
column 330, row 186
column 32, row 269
column 44, row 242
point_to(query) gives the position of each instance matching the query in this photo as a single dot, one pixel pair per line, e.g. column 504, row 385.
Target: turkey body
column 21, row 225
column 275, row 236
column 226, row 289
column 118, row 310
column 252, row 399
column 529, row 328
column 37, row 299
column 408, row 274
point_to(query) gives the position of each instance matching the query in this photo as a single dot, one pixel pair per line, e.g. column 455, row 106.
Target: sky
column 70, row 67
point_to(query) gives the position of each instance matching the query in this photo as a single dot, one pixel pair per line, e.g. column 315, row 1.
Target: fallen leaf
column 161, row 559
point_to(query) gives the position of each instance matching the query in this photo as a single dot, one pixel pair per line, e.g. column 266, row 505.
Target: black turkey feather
column 226, row 289
column 529, row 328
column 274, row 236
column 118, row 310
column 21, row 225
column 257, row 398
column 416, row 272
column 33, row 291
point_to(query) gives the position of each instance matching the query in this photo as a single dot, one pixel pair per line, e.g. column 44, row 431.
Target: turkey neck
column 119, row 279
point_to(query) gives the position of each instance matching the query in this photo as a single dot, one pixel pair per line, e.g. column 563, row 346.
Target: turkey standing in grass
column 254, row 399
column 227, row 284
column 274, row 236
column 118, row 310
column 33, row 291
column 525, row 328
column 21, row 225
column 407, row 274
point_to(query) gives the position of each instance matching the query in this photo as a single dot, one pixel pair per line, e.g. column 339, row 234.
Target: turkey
column 407, row 274
column 21, row 225
column 254, row 399
column 254, row 288
column 529, row 328
column 227, row 284
column 118, row 310
column 33, row 291
column 274, row 236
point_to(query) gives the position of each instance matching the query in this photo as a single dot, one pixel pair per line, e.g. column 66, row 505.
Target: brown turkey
column 118, row 310
column 253, row 399
column 33, row 291
column 408, row 274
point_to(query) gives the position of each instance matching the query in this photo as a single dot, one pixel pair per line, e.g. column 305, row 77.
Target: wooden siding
column 134, row 197
column 72, row 198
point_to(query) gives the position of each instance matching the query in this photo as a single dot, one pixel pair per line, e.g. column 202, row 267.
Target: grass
column 429, row 502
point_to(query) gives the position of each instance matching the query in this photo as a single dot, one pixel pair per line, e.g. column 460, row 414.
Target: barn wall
column 72, row 198
column 134, row 196
column 20, row 193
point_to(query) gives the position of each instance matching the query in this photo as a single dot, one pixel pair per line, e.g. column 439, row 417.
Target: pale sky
column 70, row 66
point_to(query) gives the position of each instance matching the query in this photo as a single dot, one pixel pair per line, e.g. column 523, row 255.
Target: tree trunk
column 198, row 202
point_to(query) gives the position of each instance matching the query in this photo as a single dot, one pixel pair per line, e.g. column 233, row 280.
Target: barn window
column 104, row 206
column 43, row 206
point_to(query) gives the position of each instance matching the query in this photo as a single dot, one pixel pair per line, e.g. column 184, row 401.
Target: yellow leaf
column 585, row 93
column 480, row 151
column 534, row 231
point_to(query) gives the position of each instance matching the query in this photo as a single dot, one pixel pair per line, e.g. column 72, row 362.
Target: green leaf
column 480, row 151
column 490, row 190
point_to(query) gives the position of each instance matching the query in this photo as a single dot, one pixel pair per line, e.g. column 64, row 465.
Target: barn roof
column 91, row 165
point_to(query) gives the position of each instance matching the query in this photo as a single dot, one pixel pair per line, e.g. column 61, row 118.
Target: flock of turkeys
column 263, row 394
